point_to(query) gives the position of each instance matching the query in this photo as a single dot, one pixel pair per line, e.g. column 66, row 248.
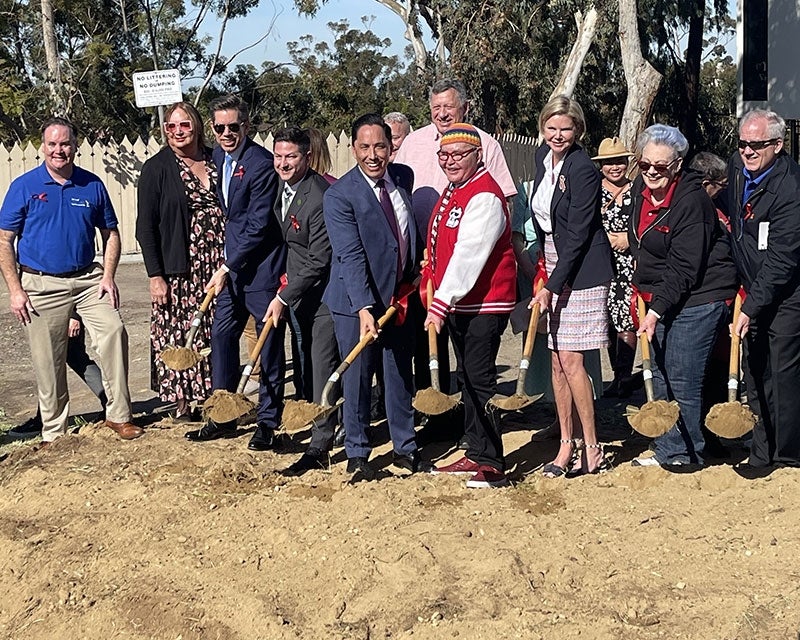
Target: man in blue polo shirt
column 53, row 211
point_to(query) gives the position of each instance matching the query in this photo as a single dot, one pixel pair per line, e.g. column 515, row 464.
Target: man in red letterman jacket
column 474, row 273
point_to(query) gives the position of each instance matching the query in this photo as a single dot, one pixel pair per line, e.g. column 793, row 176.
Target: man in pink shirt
column 449, row 105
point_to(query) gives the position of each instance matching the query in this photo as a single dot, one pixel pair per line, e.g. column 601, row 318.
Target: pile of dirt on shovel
column 298, row 413
column 432, row 402
column 224, row 406
column 180, row 358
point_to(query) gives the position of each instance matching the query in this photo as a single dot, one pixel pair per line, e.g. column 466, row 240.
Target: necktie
column 391, row 218
column 227, row 171
column 288, row 194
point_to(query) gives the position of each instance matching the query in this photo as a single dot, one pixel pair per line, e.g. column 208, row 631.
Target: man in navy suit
column 375, row 245
column 255, row 259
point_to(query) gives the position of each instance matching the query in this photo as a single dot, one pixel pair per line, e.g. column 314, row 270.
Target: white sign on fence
column 156, row 88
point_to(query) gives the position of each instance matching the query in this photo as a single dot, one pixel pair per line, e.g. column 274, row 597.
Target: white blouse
column 543, row 197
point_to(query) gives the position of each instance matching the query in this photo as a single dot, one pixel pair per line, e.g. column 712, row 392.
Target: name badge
column 79, row 202
column 454, row 217
column 763, row 235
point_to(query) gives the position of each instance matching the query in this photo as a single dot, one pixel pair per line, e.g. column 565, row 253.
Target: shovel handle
column 362, row 344
column 527, row 350
column 433, row 348
column 198, row 318
column 647, row 372
column 733, row 365
column 251, row 362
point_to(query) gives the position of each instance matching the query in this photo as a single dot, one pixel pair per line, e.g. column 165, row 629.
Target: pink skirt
column 577, row 319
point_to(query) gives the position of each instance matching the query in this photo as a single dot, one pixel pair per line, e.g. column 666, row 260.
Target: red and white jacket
column 469, row 249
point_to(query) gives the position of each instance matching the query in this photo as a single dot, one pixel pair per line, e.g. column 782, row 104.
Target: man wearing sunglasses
column 255, row 259
column 764, row 197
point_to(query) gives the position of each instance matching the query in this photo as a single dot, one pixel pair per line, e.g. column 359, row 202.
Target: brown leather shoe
column 125, row 430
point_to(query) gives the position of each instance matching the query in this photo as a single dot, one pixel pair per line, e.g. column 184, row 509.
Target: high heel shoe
column 602, row 467
column 552, row 470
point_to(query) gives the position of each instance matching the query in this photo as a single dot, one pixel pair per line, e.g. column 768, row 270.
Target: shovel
column 520, row 399
column 656, row 417
column 432, row 401
column 181, row 358
column 224, row 406
column 731, row 419
column 304, row 412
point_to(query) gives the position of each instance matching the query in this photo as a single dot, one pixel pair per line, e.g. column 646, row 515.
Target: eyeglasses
column 183, row 125
column 233, row 127
column 661, row 168
column 756, row 145
column 458, row 156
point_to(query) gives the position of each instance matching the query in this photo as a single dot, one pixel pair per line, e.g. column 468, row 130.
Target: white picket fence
column 119, row 165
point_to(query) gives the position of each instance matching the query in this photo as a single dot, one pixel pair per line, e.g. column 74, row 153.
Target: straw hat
column 612, row 148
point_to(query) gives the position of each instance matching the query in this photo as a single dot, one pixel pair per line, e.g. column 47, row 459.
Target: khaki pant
column 53, row 300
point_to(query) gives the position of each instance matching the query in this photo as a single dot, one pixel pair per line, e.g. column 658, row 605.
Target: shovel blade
column 514, row 403
column 433, row 403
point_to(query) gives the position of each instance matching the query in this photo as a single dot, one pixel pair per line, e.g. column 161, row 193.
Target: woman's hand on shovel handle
column 544, row 298
column 159, row 290
column 368, row 324
column 436, row 321
column 648, row 326
column 218, row 280
column 275, row 311
column 742, row 325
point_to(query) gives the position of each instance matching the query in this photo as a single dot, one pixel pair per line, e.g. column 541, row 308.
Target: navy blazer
column 364, row 266
column 255, row 252
column 308, row 262
column 584, row 252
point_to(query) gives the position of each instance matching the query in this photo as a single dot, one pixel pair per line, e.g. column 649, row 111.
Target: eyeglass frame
column 760, row 145
column 458, row 156
column 183, row 125
column 645, row 166
column 233, row 127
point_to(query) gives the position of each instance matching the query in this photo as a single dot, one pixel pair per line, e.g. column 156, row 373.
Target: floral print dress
column 170, row 323
column 615, row 219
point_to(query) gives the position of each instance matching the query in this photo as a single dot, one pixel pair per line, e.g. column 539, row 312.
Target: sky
column 289, row 26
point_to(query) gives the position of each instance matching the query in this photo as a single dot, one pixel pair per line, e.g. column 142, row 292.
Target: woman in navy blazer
column 566, row 210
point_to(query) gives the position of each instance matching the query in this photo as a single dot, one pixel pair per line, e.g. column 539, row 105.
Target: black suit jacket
column 584, row 253
column 255, row 253
column 308, row 263
column 162, row 220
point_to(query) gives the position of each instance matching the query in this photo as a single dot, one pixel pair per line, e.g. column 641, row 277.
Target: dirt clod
column 432, row 402
column 224, row 406
column 655, row 418
column 730, row 419
column 180, row 358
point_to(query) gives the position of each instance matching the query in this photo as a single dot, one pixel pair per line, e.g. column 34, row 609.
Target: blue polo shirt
column 56, row 223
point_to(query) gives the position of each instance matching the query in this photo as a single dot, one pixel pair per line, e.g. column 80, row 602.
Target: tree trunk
column 410, row 15
column 51, row 54
column 642, row 79
column 587, row 26
column 694, row 54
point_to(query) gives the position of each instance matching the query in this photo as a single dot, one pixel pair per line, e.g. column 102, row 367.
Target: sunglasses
column 458, row 156
column 661, row 168
column 756, row 145
column 183, row 125
column 233, row 127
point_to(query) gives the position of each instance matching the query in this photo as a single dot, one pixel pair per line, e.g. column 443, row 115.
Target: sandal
column 552, row 470
column 602, row 467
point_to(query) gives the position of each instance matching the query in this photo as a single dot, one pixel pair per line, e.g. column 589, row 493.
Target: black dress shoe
column 361, row 470
column 311, row 460
column 338, row 437
column 263, row 439
column 411, row 462
column 212, row 431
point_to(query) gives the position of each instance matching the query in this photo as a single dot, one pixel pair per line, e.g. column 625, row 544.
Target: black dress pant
column 476, row 341
column 772, row 376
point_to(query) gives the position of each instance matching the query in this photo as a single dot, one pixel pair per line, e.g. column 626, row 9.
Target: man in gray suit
column 298, row 209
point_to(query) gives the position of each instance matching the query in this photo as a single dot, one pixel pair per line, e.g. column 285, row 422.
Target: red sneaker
column 461, row 467
column 486, row 478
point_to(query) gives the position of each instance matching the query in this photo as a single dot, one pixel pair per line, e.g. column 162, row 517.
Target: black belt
column 66, row 274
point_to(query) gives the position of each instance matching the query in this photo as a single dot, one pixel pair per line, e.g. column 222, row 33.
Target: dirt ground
column 162, row 538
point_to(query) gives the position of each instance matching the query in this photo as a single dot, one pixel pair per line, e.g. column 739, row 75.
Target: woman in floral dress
column 615, row 210
column 180, row 229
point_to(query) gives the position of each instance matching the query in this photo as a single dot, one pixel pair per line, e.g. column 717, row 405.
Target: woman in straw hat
column 615, row 202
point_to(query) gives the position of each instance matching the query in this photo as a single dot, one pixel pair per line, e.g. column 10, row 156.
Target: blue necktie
column 227, row 170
